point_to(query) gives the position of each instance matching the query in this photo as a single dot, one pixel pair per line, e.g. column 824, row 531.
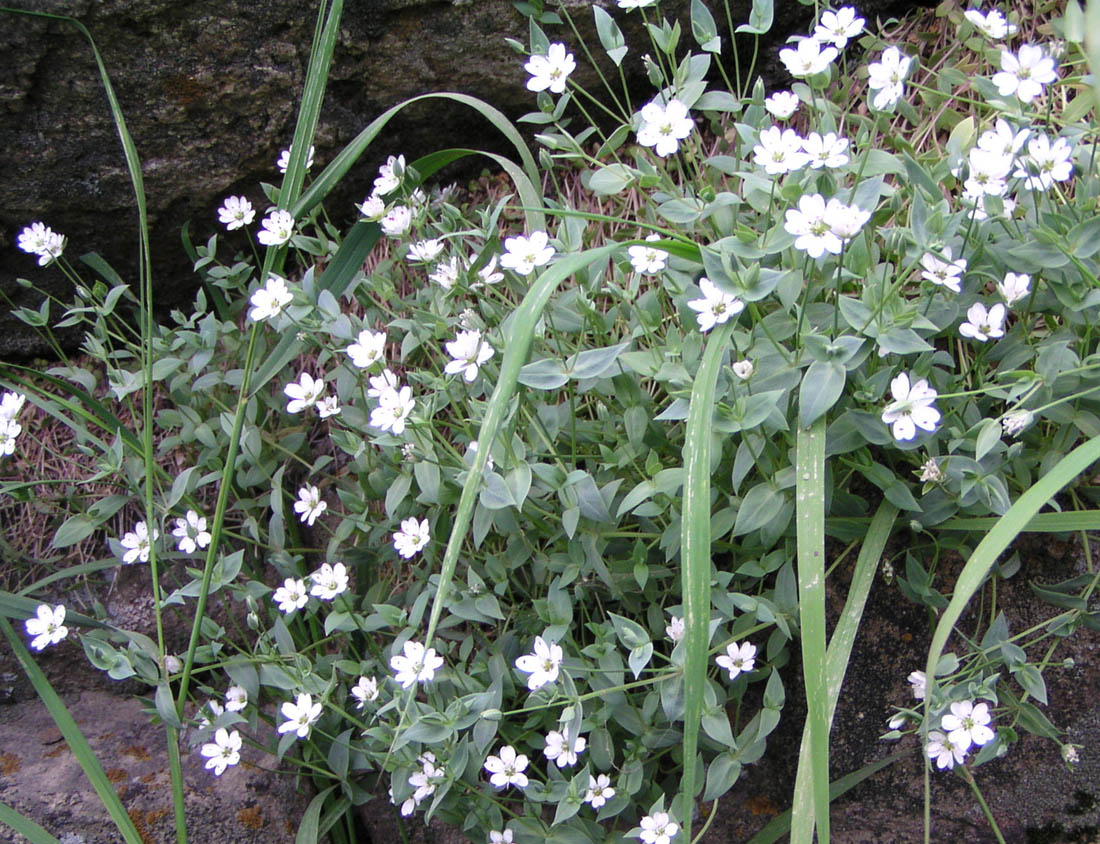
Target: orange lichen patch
column 251, row 817
column 143, row 820
column 9, row 763
column 762, row 806
column 136, row 752
column 117, row 774
column 149, row 777
column 57, row 751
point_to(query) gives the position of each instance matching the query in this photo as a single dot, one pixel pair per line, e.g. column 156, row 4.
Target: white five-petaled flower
column 417, row 665
column 10, row 405
column 1003, row 138
column 445, row 273
column 365, row 690
column 599, row 791
column 284, row 158
column 328, row 406
column 291, row 595
column 394, row 407
column 507, row 768
column 675, row 629
column 946, row 753
column 40, row 240
column 919, row 683
column 236, row 699
column 488, row 274
column 304, row 394
column 1014, row 287
column 542, row 664
column 983, row 324
column 945, row 273
column 137, row 543
column 191, row 533
column 309, row 504
column 300, row 715
column 424, row 250
column 223, row 751
column 47, row 626
column 382, row 383
column 738, row 659
column 837, row 27
column 236, row 212
column 329, row 581
column 647, row 259
column 715, row 307
column 390, row 175
column 9, row 432
column 812, row 225
column 1024, row 73
column 561, row 749
column 269, row 300
column 911, row 408
column 658, row 828
column 468, row 352
column 779, row 151
column 887, row 78
column 807, row 57
column 992, row 24
column 278, row 226
column 987, row 172
column 781, row 104
column 523, row 254
column 412, row 537
column 828, row 150
column 743, row 369
column 1045, row 163
column 549, row 72
column 664, row 126
column 967, row 723
column 373, row 207
column 396, row 221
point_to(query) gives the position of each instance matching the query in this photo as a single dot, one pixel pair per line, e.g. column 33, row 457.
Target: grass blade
column 25, row 826
column 695, row 554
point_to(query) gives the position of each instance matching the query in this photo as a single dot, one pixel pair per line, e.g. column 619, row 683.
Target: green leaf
column 25, row 826
column 723, row 772
column 821, row 387
column 704, row 28
column 760, row 18
column 612, row 179
column 595, row 363
column 545, row 374
column 309, row 826
column 758, row 507
column 75, row 529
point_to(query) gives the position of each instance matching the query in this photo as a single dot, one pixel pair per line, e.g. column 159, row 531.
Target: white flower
column 967, row 724
column 946, row 753
column 887, row 77
column 284, row 159
column 647, row 259
column 138, row 543
column 523, row 254
column 468, row 352
column 1070, row 755
column 382, row 383
column 561, row 750
column 40, row 240
column 781, row 104
column 505, row 837
column 1045, row 163
column 1014, row 287
column 236, row 212
column 1025, row 73
column 416, row 666
column 919, row 683
column 838, row 26
column 278, row 227
column 1015, row 421
column 897, row 722
column 303, row 394
column 369, row 348
column 300, row 715
column 10, row 405
column 47, row 626
column 738, row 659
column 635, row 4
column 658, row 828
column 328, row 406
column 329, row 581
column 664, row 126
column 807, row 57
column 944, row 273
column 291, row 595
column 1003, row 139
column 743, row 369
column 987, row 172
column 424, row 250
column 911, row 408
column 929, row 471
column 829, row 150
column 215, row 709
column 550, row 71
column 811, row 225
column 412, row 537
column 366, row 689
column 715, row 307
column 779, row 151
column 992, row 24
column 445, row 273
column 394, row 407
column 542, row 664
column 845, row 221
column 488, row 274
column 675, row 629
column 599, row 790
column 223, row 752
column 507, row 768
column 309, row 504
column 984, row 324
column 390, row 175
column 396, row 221
column 373, row 207
column 236, row 698
column 191, row 533
column 9, row 432
column 269, row 300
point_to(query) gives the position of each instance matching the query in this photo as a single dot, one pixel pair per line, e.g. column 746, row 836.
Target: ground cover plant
column 520, row 507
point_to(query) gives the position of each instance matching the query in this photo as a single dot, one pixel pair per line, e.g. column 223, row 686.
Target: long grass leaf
column 25, row 826
column 1069, row 521
column 309, row 826
column 695, row 553
column 79, row 746
column 810, row 529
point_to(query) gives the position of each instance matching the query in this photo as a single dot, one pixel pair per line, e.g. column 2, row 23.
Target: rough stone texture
column 209, row 89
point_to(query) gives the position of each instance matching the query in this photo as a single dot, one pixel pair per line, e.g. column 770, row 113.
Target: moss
column 9, row 764
column 251, row 817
